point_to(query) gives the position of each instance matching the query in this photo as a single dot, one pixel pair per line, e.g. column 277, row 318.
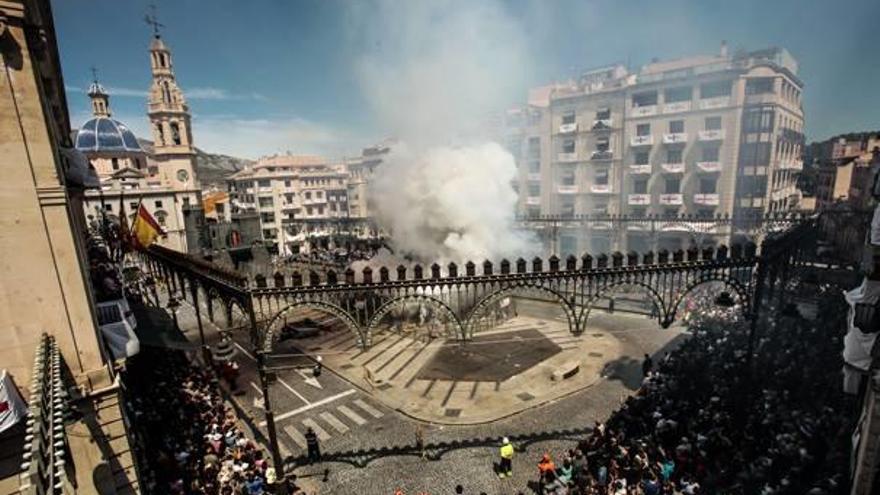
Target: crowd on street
column 188, row 437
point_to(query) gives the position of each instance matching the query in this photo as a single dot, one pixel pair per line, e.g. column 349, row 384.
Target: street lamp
column 173, row 306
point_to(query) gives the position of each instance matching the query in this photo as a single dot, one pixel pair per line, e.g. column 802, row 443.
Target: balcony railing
column 678, row 106
column 791, row 165
column 707, row 199
column 675, row 138
column 600, row 188
column 642, row 140
column 671, row 199
column 713, row 103
column 644, row 111
column 673, row 168
column 709, row 166
column 639, row 199
column 602, row 124
column 601, row 155
column 534, row 177
column 567, row 189
column 533, row 200
column 567, row 157
column 640, row 169
column 568, row 128
column 711, row 135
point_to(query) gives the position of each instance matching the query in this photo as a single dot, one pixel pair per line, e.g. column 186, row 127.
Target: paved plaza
column 460, row 400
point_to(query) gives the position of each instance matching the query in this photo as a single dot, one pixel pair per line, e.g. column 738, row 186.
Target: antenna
column 153, row 21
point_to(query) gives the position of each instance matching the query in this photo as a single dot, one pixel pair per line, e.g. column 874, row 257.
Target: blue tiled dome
column 106, row 134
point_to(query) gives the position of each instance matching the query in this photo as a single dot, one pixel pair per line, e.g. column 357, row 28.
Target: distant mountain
column 212, row 168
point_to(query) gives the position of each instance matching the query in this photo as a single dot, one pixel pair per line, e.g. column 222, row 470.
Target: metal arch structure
column 511, row 289
column 432, row 301
column 612, row 285
column 270, row 335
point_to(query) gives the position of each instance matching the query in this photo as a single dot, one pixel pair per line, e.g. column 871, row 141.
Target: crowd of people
column 703, row 424
column 187, row 437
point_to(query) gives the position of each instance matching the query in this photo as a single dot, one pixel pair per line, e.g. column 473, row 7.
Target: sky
column 329, row 77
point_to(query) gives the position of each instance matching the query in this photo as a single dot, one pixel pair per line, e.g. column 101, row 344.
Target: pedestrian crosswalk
column 336, row 421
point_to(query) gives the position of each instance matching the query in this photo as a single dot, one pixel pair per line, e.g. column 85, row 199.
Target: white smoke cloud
column 434, row 73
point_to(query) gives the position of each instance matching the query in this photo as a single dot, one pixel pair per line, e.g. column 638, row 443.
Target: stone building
column 44, row 268
column 703, row 135
column 844, row 169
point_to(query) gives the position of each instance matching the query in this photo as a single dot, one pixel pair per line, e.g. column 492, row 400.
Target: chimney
column 724, row 48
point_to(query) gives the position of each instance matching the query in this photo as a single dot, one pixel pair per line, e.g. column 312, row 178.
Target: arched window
column 166, row 92
column 175, row 133
column 115, row 162
column 160, row 138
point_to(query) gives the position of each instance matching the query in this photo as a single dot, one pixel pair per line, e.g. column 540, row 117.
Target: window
column 567, row 208
column 713, row 123
column 644, row 99
column 133, row 205
column 568, row 117
column 670, row 212
column 638, row 211
column 601, row 178
column 264, row 183
column 759, row 85
column 642, row 158
column 287, row 183
column 266, row 202
column 603, row 144
column 160, row 217
column 682, row 93
column 319, row 194
column 108, row 207
column 308, row 195
column 567, row 178
column 640, row 186
column 157, row 204
column 534, row 190
column 308, row 210
column 534, row 167
column 534, row 147
column 758, row 120
column 185, row 201
column 160, row 137
column 603, row 114
column 676, row 126
column 710, row 154
column 715, row 89
column 115, row 162
column 175, row 133
column 568, row 146
column 268, row 234
column 673, row 185
column 643, row 130
column 320, row 210
column 267, row 217
column 533, row 211
column 706, row 212
column 754, row 154
column 673, row 156
column 708, row 186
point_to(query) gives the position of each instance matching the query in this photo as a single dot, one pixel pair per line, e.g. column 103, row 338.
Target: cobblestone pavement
column 348, row 420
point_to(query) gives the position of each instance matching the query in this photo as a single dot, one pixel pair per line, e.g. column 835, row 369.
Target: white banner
column 12, row 406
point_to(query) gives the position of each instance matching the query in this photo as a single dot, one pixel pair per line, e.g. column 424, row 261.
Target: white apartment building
column 705, row 135
column 294, row 194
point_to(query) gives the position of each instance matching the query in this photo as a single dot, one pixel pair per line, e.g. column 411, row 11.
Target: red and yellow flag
column 144, row 229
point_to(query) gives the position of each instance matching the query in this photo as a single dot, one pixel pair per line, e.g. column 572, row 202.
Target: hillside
column 212, row 168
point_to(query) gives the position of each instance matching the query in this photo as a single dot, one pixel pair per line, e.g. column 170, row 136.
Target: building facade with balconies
column 704, row 135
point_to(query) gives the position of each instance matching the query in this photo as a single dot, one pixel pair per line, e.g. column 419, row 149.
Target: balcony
column 673, row 168
column 601, row 155
column 671, row 199
column 534, row 177
column 644, row 111
column 676, row 107
column 642, row 140
column 533, row 201
column 567, row 157
column 791, row 165
column 675, row 138
column 290, row 205
column 706, row 199
column 640, row 169
column 567, row 189
column 600, row 188
column 602, row 124
column 568, row 128
column 639, row 199
column 711, row 135
column 264, row 189
column 713, row 103
column 709, row 166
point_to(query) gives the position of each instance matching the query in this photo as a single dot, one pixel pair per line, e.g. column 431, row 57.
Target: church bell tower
column 173, row 149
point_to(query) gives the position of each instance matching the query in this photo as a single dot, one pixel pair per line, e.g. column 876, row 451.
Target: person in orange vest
column 545, row 466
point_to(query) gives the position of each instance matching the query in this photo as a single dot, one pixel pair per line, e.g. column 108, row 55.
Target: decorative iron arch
column 656, row 298
column 270, row 335
column 741, row 291
column 498, row 295
column 387, row 306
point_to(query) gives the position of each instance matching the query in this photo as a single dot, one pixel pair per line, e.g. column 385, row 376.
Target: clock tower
column 173, row 150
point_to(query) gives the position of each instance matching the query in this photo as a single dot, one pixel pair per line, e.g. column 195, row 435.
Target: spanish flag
column 144, row 229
